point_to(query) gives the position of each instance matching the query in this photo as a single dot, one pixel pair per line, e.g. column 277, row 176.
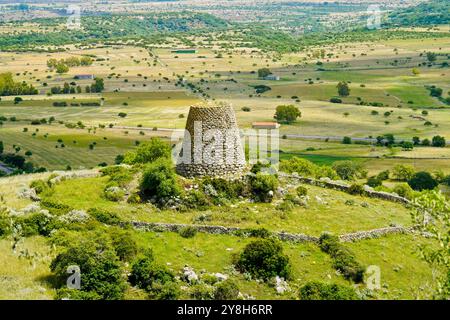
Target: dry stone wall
column 283, row 236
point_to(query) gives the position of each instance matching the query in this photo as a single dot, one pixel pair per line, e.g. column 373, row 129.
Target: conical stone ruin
column 212, row 144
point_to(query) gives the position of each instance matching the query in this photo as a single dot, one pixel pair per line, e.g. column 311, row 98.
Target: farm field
column 225, row 150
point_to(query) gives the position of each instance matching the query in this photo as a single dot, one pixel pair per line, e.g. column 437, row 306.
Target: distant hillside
column 428, row 13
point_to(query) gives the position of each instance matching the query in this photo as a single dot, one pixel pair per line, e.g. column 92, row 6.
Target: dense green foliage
column 9, row 87
column 343, row 259
column 324, row 291
column 264, row 258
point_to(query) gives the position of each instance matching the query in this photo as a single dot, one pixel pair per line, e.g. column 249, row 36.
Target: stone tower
column 212, row 145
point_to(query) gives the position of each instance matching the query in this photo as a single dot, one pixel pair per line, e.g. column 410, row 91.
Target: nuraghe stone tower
column 212, row 145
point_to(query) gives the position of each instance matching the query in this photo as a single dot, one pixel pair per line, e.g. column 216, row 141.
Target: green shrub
column 159, row 180
column 188, row 232
column 114, row 194
column 316, row 290
column 343, row 259
column 196, row 200
column 374, row 182
column 301, row 166
column 349, row 170
column 124, row 244
column 301, row 191
column 202, row 292
column 104, row 216
column 66, row 293
column 118, row 176
column 39, row 186
column 306, row 168
column 264, row 258
column 99, row 266
column 403, row 190
column 145, row 273
column 226, row 290
column 422, row 181
column 5, row 223
column 165, row 291
column 148, row 152
column 55, row 208
column 263, row 185
column 403, row 172
column 223, row 188
column 35, row 224
column 356, row 189
column 259, row 233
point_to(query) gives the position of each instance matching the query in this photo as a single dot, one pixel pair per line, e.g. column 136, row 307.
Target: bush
column 263, row 185
column 124, row 244
column 202, row 292
column 149, row 152
column 315, row 290
column 264, row 258
column 165, row 291
column 374, row 182
column 223, row 188
column 403, row 190
column 188, row 232
column 343, row 259
column 159, row 180
column 347, row 140
column 349, row 170
column 423, row 181
column 438, row 141
column 100, row 268
column 114, row 194
column 145, row 273
column 5, row 223
column 335, row 100
column 403, row 172
column 356, row 189
column 287, row 113
column 35, row 224
column 104, row 216
column 39, row 186
column 226, row 290
column 118, row 176
column 301, row 191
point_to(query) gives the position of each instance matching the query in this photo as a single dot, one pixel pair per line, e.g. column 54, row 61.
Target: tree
column 431, row 214
column 347, row 140
column 422, row 181
column 62, row 68
column 100, row 269
column 402, row 172
column 349, row 170
column 407, row 145
column 98, row 85
column 148, row 152
column 343, row 89
column 264, row 259
column 416, row 141
column 438, row 141
column 159, row 180
column 264, row 72
column 415, row 71
column 287, row 113
column 435, row 92
column 431, row 56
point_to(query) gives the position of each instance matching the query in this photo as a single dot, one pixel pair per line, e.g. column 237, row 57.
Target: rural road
column 292, row 136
